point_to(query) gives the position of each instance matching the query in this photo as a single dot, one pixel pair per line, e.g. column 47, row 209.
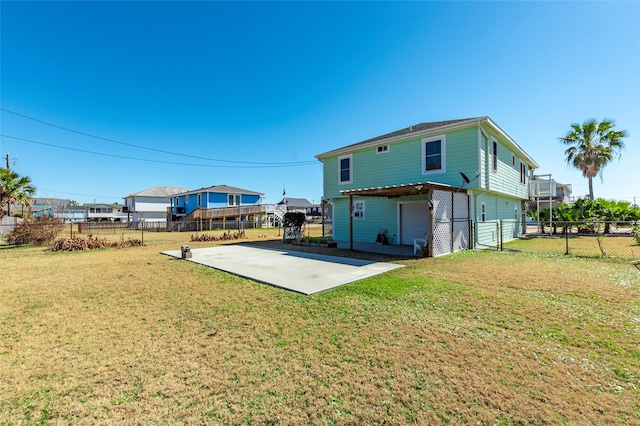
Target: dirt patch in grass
column 131, row 336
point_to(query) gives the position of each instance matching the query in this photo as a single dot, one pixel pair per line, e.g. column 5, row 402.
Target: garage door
column 414, row 221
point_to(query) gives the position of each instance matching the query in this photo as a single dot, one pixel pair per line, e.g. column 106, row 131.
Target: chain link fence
column 586, row 238
column 117, row 230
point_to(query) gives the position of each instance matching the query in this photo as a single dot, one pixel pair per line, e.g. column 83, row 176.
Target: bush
column 92, row 243
column 293, row 224
column 212, row 237
column 39, row 231
column 636, row 233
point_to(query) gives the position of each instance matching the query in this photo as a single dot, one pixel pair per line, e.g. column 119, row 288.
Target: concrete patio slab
column 305, row 273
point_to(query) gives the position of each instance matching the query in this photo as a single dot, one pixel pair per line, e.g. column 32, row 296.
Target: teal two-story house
column 446, row 185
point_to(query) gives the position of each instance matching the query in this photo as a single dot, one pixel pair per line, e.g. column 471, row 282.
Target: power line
column 254, row 166
column 75, row 193
column 290, row 163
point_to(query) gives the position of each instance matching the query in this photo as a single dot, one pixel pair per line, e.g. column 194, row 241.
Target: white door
column 414, row 221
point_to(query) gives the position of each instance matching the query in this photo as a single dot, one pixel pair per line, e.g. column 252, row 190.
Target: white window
column 483, row 212
column 234, row 199
column 523, row 173
column 186, row 199
column 382, row 149
column 515, row 213
column 199, row 200
column 433, row 155
column 345, row 172
column 358, row 209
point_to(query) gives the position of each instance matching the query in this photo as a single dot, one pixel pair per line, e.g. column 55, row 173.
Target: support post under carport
column 350, row 222
column 431, row 224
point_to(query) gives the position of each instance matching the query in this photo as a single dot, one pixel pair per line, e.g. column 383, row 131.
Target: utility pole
column 7, row 160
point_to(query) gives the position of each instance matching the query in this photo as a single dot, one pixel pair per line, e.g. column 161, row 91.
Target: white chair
column 418, row 243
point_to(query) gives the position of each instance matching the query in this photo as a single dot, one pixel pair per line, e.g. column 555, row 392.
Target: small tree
column 14, row 189
column 592, row 146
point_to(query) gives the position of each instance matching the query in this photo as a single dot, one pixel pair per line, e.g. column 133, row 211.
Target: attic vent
column 382, row 148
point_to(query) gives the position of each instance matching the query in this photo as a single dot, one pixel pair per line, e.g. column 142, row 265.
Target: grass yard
column 579, row 245
column 131, row 336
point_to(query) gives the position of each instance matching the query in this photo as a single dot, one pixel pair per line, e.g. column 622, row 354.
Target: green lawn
column 132, row 336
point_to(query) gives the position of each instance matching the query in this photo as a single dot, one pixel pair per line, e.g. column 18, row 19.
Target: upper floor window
column 433, row 154
column 199, row 200
column 345, row 172
column 382, row 149
column 523, row 173
column 186, row 199
column 494, row 154
column 234, row 199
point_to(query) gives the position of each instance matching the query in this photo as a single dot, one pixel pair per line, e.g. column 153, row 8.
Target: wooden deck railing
column 235, row 211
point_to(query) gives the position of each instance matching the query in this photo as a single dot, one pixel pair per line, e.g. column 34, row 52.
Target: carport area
column 305, row 273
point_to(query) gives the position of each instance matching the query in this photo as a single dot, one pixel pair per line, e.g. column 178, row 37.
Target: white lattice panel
column 460, row 205
column 442, row 214
column 441, row 238
column 442, row 205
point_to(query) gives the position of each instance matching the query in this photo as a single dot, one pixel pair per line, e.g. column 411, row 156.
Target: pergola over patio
column 411, row 189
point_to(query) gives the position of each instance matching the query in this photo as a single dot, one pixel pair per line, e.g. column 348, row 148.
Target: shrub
column 213, row 237
column 39, row 231
column 92, row 243
column 293, row 224
column 636, row 233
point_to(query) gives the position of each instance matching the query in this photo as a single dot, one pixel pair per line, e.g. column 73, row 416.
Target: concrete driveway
column 305, row 273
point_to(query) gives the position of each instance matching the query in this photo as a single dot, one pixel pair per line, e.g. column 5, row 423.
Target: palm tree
column 593, row 146
column 14, row 189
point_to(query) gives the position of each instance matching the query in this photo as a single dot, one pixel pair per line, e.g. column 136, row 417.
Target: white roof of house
column 159, row 191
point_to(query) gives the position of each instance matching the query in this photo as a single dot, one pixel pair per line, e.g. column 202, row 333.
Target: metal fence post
column 501, row 237
column 566, row 237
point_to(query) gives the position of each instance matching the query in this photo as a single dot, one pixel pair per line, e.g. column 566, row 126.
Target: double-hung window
column 523, row 173
column 345, row 169
column 234, row 199
column 433, row 155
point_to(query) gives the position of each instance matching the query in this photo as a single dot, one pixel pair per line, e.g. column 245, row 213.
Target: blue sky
column 262, row 87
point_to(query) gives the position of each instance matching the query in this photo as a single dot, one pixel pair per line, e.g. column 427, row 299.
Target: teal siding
column 498, row 207
column 380, row 213
column 467, row 150
column 506, row 179
column 402, row 164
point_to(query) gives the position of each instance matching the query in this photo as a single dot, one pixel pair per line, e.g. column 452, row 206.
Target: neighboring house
column 302, row 205
column 546, row 192
column 214, row 197
column 151, row 204
column 57, row 207
column 105, row 213
column 410, row 183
